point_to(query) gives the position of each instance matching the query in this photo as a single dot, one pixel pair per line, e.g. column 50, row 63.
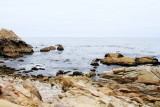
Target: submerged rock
column 21, row 60
column 60, row 48
column 11, row 45
column 118, row 59
column 46, row 49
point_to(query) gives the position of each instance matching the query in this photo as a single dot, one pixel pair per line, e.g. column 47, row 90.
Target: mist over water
column 79, row 52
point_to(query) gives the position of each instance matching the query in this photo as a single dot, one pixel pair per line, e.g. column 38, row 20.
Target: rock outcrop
column 11, row 45
column 121, row 87
column 62, row 91
column 46, row 49
column 118, row 59
column 140, row 84
column 146, row 60
column 60, row 48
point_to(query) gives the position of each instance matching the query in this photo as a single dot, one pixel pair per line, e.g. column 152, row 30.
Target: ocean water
column 79, row 52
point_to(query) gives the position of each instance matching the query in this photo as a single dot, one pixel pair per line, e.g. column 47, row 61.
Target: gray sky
column 81, row 18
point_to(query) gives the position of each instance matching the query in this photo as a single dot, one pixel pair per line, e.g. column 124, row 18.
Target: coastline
column 135, row 83
column 112, row 89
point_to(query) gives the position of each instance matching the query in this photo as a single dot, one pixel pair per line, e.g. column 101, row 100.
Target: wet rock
column 46, row 49
column 35, row 68
column 93, row 70
column 94, row 63
column 67, row 72
column 61, row 72
column 21, row 60
column 97, row 59
column 38, row 67
column 11, row 45
column 22, row 69
column 60, row 48
column 27, row 71
column 95, row 67
column 41, row 68
column 7, row 70
column 77, row 73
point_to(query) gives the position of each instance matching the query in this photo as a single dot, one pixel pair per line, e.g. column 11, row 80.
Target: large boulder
column 46, row 49
column 11, row 45
column 118, row 59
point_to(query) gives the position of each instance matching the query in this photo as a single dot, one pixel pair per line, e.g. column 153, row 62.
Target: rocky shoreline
column 121, row 87
column 136, row 84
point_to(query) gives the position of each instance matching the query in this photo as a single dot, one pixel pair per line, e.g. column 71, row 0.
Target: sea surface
column 79, row 52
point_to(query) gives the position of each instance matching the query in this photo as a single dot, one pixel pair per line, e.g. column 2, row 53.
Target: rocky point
column 11, row 45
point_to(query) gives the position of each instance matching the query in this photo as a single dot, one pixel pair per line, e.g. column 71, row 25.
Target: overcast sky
column 81, row 18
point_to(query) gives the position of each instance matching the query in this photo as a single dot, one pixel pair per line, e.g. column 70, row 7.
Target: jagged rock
column 60, row 48
column 11, row 45
column 65, row 91
column 141, row 83
column 46, row 49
